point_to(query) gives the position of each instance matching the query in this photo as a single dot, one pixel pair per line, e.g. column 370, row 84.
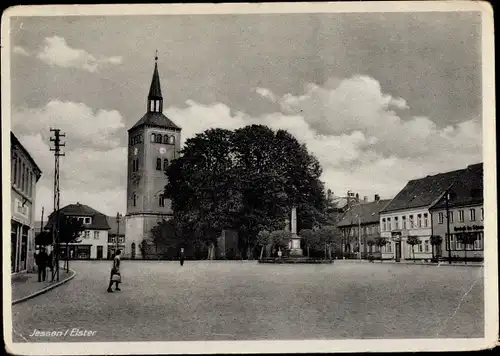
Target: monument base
column 296, row 252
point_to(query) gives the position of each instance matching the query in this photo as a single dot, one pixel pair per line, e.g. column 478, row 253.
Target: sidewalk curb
column 46, row 289
column 415, row 264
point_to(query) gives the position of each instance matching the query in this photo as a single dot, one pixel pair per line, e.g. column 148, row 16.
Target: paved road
column 161, row 301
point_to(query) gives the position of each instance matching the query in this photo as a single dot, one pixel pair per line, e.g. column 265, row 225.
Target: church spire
column 155, row 99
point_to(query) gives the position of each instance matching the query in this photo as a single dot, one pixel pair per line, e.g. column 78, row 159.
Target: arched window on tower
column 165, row 164
column 165, row 139
column 161, row 201
column 158, row 138
column 134, row 199
column 153, row 138
column 171, row 140
column 158, row 164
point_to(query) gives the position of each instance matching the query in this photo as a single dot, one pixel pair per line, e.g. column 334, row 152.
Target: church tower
column 153, row 142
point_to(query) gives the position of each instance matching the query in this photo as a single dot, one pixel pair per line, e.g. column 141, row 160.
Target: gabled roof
column 424, row 192
column 99, row 221
column 14, row 141
column 368, row 213
column 466, row 190
column 156, row 119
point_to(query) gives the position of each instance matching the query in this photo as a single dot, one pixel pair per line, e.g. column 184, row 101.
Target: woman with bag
column 115, row 273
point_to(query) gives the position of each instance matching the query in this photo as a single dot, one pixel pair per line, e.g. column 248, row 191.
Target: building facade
column 463, row 204
column 408, row 216
column 154, row 141
column 93, row 241
column 24, row 175
column 360, row 225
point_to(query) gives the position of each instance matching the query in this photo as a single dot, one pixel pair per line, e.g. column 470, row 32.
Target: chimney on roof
column 365, row 199
column 377, row 197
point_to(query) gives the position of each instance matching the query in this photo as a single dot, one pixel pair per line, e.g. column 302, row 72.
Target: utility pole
column 118, row 217
column 55, row 222
column 447, row 195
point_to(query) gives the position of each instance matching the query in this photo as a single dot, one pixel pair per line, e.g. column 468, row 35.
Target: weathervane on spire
column 156, row 55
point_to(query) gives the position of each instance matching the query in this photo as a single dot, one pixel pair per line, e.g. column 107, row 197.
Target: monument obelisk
column 295, row 249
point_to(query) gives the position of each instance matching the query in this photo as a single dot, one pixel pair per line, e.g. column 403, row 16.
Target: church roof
column 156, row 119
column 155, row 89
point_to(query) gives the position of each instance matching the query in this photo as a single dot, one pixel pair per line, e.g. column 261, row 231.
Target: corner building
column 153, row 142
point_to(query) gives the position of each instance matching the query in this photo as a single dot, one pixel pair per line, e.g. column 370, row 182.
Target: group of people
column 43, row 260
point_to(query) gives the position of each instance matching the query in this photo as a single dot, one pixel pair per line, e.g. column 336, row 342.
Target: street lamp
column 118, row 218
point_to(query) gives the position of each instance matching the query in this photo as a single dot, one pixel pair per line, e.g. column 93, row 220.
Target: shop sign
column 469, row 228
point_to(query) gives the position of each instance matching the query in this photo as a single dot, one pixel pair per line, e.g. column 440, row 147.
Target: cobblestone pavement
column 162, row 301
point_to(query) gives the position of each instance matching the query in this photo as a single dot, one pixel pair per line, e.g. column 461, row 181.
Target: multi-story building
column 154, row 141
column 408, row 215
column 24, row 175
column 359, row 225
column 93, row 241
column 116, row 237
column 463, row 202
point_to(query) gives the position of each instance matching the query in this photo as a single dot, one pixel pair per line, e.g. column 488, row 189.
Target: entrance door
column 398, row 251
column 99, row 252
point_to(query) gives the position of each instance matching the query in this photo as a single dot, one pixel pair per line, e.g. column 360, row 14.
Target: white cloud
column 361, row 143
column 83, row 126
column 93, row 170
column 348, row 125
column 20, row 50
column 56, row 52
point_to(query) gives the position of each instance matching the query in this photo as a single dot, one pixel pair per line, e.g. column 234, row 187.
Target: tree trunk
column 308, row 252
column 325, row 251
column 432, row 248
column 261, row 252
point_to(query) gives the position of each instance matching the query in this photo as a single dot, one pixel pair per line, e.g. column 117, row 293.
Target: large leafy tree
column 202, row 186
column 164, row 235
column 412, row 241
column 248, row 179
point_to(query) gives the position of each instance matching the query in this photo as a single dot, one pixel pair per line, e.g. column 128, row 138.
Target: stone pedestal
column 295, row 250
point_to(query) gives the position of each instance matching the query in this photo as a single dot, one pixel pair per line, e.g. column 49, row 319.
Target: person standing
column 181, row 256
column 115, row 276
column 41, row 262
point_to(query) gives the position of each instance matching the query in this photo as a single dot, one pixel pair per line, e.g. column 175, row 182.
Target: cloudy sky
column 378, row 98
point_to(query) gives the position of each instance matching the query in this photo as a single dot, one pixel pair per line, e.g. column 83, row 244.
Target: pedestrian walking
column 181, row 256
column 115, row 276
column 41, row 260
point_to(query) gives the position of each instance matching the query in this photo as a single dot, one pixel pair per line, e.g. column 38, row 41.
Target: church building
column 154, row 141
